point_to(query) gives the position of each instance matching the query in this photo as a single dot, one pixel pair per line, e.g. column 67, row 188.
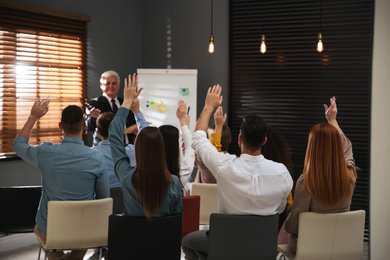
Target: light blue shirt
column 70, row 171
column 104, row 148
column 172, row 203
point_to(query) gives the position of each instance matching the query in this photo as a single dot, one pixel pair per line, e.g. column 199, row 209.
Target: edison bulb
column 211, row 45
column 263, row 47
column 320, row 46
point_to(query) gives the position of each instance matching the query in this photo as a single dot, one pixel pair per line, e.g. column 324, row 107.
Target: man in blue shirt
column 103, row 123
column 70, row 170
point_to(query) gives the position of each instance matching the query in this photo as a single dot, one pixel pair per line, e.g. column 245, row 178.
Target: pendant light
column 263, row 47
column 320, row 45
column 211, row 39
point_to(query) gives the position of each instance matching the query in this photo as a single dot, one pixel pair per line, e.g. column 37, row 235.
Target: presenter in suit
column 108, row 102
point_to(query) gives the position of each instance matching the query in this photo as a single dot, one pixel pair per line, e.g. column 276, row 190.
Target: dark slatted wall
column 289, row 84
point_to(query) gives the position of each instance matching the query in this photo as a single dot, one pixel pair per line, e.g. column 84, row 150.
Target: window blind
column 289, row 84
column 43, row 53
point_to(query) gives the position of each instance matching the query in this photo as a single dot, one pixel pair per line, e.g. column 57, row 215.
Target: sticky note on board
column 162, row 108
column 155, row 103
column 185, row 91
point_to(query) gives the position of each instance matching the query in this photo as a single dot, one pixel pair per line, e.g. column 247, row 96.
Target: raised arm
column 213, row 100
column 38, row 110
column 188, row 158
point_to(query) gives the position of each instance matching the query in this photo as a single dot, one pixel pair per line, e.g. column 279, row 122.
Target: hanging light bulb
column 211, row 39
column 211, row 45
column 320, row 46
column 263, row 47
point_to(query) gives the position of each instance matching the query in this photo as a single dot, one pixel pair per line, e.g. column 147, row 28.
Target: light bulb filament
column 211, row 45
column 263, row 47
column 320, row 46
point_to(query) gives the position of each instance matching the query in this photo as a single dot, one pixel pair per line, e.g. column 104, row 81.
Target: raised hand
column 130, row 90
column 181, row 113
column 40, row 108
column 213, row 98
column 219, row 119
column 331, row 112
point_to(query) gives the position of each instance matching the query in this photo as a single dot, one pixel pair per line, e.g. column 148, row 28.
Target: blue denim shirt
column 104, row 148
column 70, row 171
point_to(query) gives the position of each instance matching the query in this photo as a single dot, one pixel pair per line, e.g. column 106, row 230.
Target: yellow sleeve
column 215, row 140
column 289, row 201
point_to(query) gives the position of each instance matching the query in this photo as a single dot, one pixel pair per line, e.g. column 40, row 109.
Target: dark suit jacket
column 103, row 104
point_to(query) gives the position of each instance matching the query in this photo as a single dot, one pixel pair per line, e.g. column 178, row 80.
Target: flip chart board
column 162, row 90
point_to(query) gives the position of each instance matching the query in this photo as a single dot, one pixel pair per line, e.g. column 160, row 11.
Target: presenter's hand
column 95, row 113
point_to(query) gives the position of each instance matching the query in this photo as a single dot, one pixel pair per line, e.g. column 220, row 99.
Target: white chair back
column 78, row 224
column 208, row 200
column 335, row 236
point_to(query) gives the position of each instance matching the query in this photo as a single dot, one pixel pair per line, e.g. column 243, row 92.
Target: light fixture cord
column 320, row 15
column 263, row 15
column 211, row 17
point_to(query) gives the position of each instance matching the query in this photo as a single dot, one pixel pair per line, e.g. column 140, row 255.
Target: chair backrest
column 119, row 205
column 243, row 237
column 77, row 224
column 208, row 200
column 139, row 238
column 331, row 236
column 19, row 206
column 191, row 207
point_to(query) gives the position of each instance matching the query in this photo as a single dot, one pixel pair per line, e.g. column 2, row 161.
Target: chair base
column 286, row 252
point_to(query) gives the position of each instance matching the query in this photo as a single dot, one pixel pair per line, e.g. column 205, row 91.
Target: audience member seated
column 277, row 150
column 179, row 163
column 103, row 122
column 107, row 102
column 148, row 189
column 70, row 170
column 221, row 138
column 249, row 184
column 329, row 174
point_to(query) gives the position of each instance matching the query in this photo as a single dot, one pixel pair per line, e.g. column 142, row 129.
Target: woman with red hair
column 329, row 174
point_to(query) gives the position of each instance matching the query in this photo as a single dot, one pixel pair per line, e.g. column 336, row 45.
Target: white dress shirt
column 187, row 160
column 246, row 184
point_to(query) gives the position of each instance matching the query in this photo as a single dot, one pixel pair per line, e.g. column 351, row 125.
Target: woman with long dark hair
column 329, row 174
column 148, row 189
column 180, row 162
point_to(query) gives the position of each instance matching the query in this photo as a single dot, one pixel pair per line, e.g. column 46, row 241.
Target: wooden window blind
column 288, row 85
column 43, row 53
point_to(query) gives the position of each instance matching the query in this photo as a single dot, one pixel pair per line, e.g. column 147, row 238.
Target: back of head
column 152, row 178
column 253, row 132
column 327, row 177
column 103, row 123
column 170, row 135
column 72, row 120
column 277, row 148
column 226, row 138
column 107, row 74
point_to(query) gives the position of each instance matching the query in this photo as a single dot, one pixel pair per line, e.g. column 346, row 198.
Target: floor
column 25, row 247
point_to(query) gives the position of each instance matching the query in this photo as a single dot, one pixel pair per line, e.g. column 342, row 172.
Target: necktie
column 114, row 107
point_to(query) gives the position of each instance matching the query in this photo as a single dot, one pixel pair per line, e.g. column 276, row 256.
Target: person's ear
column 239, row 141
column 84, row 126
column 265, row 140
column 60, row 126
column 99, row 133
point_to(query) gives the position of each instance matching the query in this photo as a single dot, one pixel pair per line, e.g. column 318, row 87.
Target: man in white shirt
column 249, row 184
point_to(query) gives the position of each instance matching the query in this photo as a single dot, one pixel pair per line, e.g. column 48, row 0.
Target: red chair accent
column 191, row 209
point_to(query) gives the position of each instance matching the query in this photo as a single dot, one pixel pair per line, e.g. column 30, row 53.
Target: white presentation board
column 162, row 90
